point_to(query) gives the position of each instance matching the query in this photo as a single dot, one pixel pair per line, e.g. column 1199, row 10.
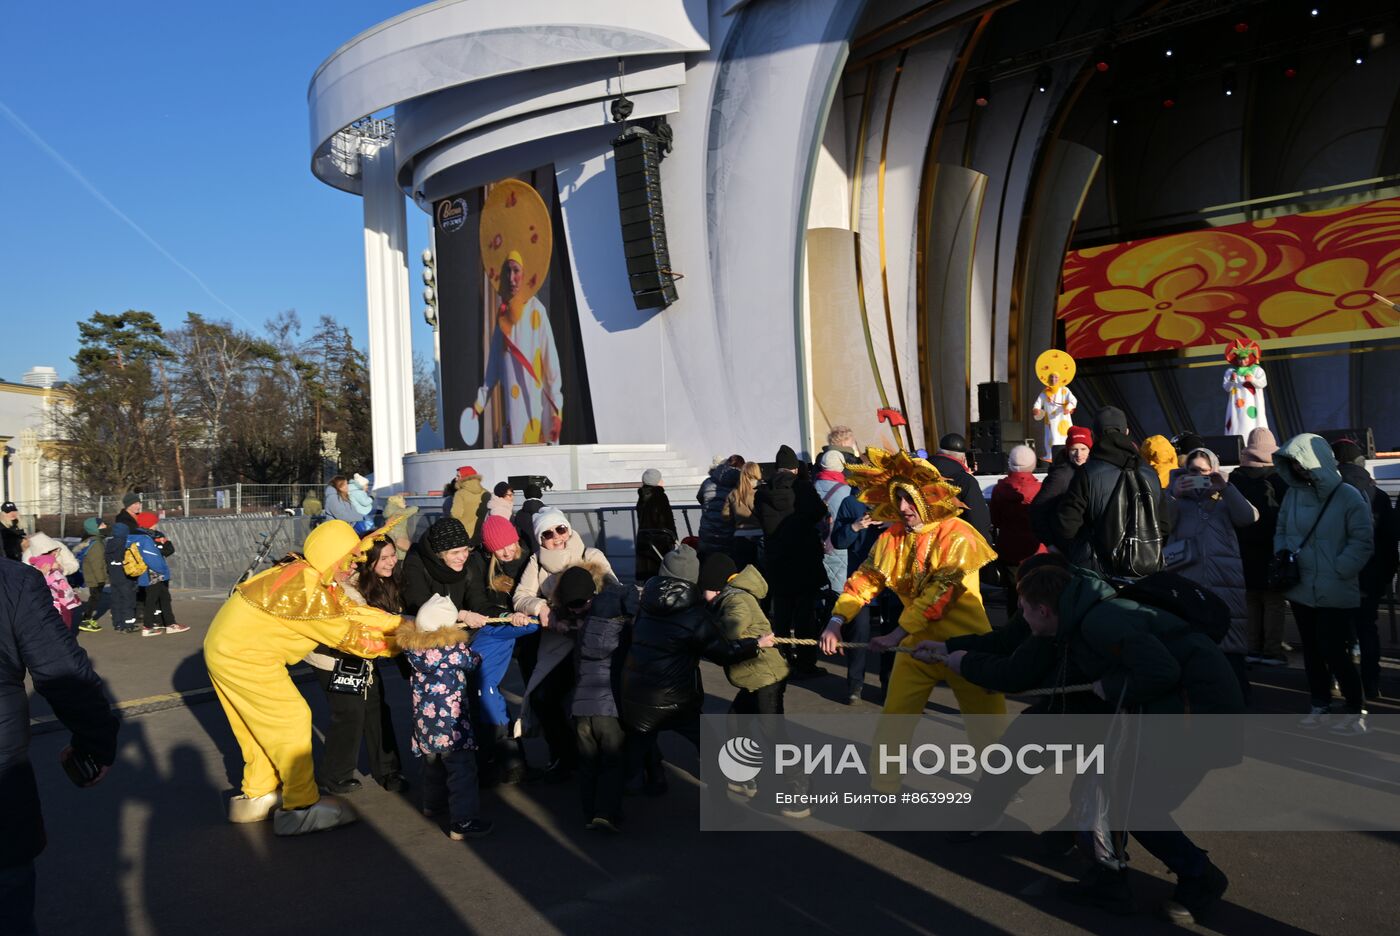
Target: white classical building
column 31, row 468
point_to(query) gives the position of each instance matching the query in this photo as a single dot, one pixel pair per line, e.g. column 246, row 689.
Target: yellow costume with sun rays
column 522, row 360
column 271, row 622
column 934, row 570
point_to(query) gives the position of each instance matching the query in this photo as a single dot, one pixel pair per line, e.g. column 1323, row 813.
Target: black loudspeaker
column 638, row 155
column 1361, row 435
column 994, row 401
column 990, row 463
column 521, row 482
column 1227, row 448
column 994, row 435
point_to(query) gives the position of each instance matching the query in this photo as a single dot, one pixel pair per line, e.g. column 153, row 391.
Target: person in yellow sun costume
column 930, row 557
column 270, row 622
column 516, row 239
column 1056, row 404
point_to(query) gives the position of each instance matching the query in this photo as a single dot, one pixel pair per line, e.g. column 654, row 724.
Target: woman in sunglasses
column 547, row 691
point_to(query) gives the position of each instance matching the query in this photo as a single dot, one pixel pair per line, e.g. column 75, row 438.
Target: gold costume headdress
column 515, row 226
column 884, row 474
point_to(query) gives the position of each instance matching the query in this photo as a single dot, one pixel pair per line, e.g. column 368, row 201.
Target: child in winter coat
column 91, row 556
column 601, row 613
column 442, row 660
column 43, row 554
column 155, row 547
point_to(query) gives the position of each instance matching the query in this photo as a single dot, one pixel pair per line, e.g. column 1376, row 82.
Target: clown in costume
column 930, row 558
column 1244, row 385
column 1056, row 404
column 269, row 623
column 516, row 238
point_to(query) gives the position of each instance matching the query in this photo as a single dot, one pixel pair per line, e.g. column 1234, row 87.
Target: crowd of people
column 122, row 567
column 850, row 555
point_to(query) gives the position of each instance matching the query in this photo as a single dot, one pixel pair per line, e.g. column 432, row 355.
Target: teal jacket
column 1332, row 558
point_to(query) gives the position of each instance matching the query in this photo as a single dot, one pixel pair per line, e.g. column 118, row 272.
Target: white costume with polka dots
column 1244, row 411
column 1053, row 407
column 532, row 395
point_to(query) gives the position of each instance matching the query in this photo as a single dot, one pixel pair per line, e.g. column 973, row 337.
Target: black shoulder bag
column 1284, row 573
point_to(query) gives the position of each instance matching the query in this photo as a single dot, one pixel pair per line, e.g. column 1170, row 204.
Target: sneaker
column 340, row 787
column 603, row 824
column 853, row 699
column 327, row 813
column 1350, row 725
column 175, row 628
column 1279, row 660
column 1194, row 896
column 89, row 627
column 471, row 829
column 243, row 809
column 1101, row 887
column 1319, row 716
column 152, row 631
column 747, row 789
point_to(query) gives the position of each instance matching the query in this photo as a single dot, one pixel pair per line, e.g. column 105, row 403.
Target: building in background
column 32, row 473
column 880, row 204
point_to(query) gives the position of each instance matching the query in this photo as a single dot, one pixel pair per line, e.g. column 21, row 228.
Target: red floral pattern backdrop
column 1305, row 274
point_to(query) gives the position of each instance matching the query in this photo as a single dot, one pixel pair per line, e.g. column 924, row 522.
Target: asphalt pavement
column 149, row 851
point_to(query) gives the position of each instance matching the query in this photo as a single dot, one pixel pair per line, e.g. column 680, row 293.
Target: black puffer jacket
column 1046, row 506
column 673, row 631
column 602, row 644
column 1086, row 501
column 425, row 575
column 34, row 640
column 1264, row 488
column 481, row 597
column 716, row 533
column 969, row 492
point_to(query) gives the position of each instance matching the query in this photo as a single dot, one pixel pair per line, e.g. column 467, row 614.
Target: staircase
column 625, row 463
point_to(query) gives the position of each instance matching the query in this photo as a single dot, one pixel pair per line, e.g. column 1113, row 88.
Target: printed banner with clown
column 1305, row 275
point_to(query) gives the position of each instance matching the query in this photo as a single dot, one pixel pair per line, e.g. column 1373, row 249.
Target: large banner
column 513, row 369
column 1310, row 274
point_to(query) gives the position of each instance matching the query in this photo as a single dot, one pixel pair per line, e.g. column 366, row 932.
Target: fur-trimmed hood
column 408, row 637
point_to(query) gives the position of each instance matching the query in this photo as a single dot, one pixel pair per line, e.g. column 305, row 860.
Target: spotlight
column 1358, row 53
column 1169, row 52
column 1314, row 11
column 1290, row 68
column 1169, row 100
column 1103, row 60
column 1228, row 84
column 1241, row 27
column 1042, row 79
column 982, row 93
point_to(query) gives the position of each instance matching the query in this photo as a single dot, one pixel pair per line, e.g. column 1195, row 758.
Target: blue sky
column 191, row 119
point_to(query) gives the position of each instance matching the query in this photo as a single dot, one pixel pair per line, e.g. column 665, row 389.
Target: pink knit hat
column 497, row 533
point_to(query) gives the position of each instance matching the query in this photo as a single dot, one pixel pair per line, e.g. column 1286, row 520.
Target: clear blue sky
column 191, row 119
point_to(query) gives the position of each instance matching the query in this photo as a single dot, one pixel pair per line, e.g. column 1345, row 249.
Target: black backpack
column 1128, row 538
column 1202, row 609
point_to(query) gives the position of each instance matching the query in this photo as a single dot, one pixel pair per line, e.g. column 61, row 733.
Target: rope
column 1052, row 690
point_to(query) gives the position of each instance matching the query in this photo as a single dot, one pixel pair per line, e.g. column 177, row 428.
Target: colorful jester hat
column 884, row 474
column 1243, row 353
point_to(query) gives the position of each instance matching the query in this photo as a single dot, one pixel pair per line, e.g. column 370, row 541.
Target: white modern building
column 30, row 473
column 871, row 202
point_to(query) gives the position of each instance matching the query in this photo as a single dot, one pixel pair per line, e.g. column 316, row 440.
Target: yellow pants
column 911, row 683
column 272, row 724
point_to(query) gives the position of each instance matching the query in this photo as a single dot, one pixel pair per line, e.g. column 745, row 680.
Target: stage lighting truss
column 361, row 138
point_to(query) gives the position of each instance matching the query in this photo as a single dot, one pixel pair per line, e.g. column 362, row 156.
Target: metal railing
column 64, row 516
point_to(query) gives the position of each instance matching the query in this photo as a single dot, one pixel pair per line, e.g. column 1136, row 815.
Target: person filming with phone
column 34, row 640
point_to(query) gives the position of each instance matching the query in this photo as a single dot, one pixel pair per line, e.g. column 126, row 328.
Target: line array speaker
column 637, row 163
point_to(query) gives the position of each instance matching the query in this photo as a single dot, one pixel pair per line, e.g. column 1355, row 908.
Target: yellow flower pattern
column 1305, row 274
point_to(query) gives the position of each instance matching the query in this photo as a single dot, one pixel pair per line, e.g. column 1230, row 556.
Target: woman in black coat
column 656, row 526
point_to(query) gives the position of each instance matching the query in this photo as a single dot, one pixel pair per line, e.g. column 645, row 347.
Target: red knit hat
column 467, row 471
column 498, row 533
column 147, row 519
column 1079, row 435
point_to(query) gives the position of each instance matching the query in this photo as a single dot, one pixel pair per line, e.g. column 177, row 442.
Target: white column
column 390, row 344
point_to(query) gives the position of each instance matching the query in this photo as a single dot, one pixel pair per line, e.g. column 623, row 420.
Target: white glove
column 436, row 613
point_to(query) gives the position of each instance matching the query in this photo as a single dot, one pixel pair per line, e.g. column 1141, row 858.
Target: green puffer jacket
column 738, row 614
column 1333, row 557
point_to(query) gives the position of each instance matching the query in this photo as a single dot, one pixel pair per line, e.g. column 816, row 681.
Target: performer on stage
column 930, row 558
column 272, row 621
column 1244, row 385
column 516, row 240
column 1056, row 404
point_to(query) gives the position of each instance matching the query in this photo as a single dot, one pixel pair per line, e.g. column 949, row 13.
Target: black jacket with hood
column 1086, row 500
column 674, row 630
column 426, row 575
column 969, row 492
column 789, row 511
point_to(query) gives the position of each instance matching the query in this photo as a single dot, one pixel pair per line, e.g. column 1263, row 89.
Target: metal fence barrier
column 211, row 552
